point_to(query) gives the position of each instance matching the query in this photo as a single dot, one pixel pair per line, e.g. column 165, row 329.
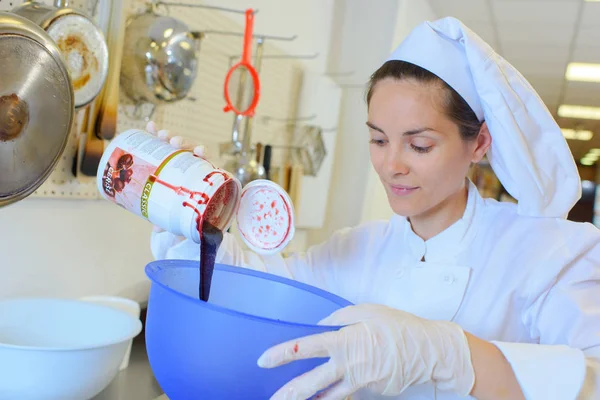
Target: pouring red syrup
column 211, row 237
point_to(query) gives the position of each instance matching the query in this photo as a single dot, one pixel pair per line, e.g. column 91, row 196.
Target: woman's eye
column 377, row 142
column 421, row 149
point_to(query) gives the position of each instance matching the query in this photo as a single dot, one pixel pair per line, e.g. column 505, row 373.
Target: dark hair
column 455, row 106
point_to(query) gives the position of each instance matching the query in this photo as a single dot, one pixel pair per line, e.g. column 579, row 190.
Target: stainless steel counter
column 136, row 382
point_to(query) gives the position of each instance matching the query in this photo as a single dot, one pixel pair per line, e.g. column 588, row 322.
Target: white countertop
column 136, row 382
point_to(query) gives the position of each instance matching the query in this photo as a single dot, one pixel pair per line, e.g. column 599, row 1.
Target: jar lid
column 265, row 217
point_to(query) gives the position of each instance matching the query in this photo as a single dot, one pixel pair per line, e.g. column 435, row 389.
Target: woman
column 456, row 295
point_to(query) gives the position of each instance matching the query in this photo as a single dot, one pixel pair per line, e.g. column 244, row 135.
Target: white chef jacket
column 530, row 285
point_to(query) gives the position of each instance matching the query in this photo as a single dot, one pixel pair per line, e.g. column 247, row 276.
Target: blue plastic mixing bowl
column 209, row 351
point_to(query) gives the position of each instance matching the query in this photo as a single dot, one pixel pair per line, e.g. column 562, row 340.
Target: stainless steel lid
column 36, row 107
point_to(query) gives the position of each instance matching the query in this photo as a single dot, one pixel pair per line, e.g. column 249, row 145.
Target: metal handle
column 188, row 5
column 235, row 133
column 248, row 128
column 61, row 3
column 257, row 36
column 265, row 119
column 281, row 56
column 287, row 147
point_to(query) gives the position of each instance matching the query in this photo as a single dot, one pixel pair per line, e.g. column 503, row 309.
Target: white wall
column 74, row 248
column 410, row 14
column 370, row 34
column 361, row 40
column 71, row 248
column 309, row 19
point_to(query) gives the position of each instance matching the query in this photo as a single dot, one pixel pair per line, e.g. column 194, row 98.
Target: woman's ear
column 483, row 143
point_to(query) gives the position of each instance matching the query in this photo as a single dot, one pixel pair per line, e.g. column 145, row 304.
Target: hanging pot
column 81, row 43
column 159, row 58
column 36, row 107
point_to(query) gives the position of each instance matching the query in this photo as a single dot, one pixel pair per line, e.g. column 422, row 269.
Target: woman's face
column 416, row 149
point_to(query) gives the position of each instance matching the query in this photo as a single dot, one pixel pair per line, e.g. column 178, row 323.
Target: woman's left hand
column 380, row 348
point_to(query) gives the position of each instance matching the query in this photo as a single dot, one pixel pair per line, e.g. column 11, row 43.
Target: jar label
column 127, row 180
column 172, row 188
column 131, row 170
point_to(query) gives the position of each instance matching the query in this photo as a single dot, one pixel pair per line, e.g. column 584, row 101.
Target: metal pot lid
column 84, row 49
column 36, row 107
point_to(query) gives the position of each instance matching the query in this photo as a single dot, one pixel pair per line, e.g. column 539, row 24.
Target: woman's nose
column 396, row 163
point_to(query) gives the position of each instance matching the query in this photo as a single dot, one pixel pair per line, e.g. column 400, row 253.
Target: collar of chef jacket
column 448, row 244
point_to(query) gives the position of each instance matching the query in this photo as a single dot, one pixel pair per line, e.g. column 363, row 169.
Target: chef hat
column 529, row 154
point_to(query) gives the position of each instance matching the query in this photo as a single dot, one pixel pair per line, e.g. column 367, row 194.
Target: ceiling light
column 577, row 134
column 592, row 1
column 595, row 152
column 589, row 159
column 583, row 72
column 583, row 112
column 585, row 161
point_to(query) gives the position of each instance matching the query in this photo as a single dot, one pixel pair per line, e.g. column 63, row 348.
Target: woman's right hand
column 178, row 142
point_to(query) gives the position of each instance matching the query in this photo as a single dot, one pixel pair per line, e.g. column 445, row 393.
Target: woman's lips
column 402, row 190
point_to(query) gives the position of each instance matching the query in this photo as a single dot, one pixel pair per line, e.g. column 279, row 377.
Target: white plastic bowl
column 123, row 304
column 53, row 349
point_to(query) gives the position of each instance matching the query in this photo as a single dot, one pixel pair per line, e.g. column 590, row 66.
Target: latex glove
column 176, row 141
column 379, row 348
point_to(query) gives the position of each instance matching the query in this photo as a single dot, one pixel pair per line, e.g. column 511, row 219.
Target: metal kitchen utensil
column 243, row 164
column 310, row 149
column 80, row 41
column 36, row 107
column 159, row 58
column 266, row 160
